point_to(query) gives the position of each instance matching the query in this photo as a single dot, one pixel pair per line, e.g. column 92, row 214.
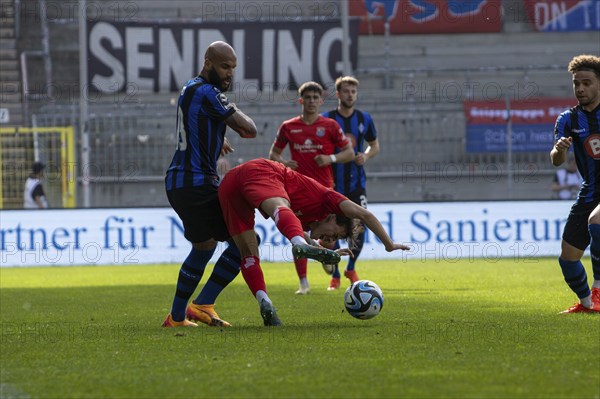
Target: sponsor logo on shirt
column 592, row 146
column 308, row 146
column 224, row 101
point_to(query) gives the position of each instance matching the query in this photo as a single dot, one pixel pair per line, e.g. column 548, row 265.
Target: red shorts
column 244, row 188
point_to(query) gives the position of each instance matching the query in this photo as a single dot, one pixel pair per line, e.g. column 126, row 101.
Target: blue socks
column 595, row 249
column 575, row 276
column 225, row 270
column 190, row 275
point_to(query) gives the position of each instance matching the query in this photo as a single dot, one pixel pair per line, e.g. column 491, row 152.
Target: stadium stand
column 419, row 117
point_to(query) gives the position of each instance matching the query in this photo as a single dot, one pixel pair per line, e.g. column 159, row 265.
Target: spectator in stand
column 34, row 196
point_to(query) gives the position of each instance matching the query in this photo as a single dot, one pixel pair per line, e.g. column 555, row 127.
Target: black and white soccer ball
column 363, row 299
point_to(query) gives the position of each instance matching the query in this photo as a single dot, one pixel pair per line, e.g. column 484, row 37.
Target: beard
column 215, row 79
column 347, row 104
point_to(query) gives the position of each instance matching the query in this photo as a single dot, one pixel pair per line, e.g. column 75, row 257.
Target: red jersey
column 307, row 141
column 246, row 186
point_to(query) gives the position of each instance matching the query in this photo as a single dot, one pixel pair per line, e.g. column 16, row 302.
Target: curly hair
column 585, row 62
column 353, row 227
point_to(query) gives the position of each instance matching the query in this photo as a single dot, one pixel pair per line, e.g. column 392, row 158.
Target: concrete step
column 7, row 32
column 8, row 43
column 9, row 75
column 368, row 45
column 10, row 97
column 460, row 61
column 8, row 53
column 8, row 64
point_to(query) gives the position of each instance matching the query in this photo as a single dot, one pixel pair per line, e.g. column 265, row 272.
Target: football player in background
column 580, row 127
column 312, row 139
column 349, row 178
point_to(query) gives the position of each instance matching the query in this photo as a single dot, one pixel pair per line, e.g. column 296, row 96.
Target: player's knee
column 205, row 245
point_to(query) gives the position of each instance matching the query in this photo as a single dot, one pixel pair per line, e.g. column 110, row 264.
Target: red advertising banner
column 427, row 16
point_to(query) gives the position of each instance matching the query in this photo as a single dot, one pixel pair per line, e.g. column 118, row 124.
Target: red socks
column 287, row 223
column 301, row 265
column 253, row 274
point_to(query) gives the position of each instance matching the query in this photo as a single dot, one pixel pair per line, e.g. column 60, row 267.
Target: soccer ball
column 363, row 299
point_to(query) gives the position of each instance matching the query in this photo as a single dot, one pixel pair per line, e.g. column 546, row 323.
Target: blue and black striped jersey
column 584, row 128
column 201, row 113
column 359, row 127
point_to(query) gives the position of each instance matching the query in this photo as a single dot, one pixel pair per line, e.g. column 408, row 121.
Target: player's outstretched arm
column 354, row 211
column 242, row 124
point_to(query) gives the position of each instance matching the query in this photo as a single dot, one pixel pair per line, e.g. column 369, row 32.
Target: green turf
column 469, row 329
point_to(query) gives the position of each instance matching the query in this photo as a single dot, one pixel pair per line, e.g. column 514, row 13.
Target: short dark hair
column 585, row 62
column 310, row 86
column 38, row 167
column 352, row 228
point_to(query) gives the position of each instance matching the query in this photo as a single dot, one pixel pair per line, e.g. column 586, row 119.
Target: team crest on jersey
column 320, row 132
column 592, row 146
column 224, row 101
column 361, row 128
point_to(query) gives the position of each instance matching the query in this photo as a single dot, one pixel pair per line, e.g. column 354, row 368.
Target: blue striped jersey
column 584, row 128
column 201, row 112
column 360, row 129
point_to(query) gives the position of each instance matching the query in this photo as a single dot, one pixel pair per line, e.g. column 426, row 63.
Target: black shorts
column 200, row 211
column 576, row 230
column 359, row 197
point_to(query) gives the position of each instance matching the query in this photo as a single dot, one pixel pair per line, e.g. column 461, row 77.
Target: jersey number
column 363, row 201
column 181, row 132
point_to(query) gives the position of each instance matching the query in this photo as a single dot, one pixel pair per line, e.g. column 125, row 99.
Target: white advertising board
column 441, row 231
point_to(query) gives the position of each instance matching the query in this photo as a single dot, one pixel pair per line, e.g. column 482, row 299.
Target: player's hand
column 227, row 148
column 293, row 165
column 322, row 160
column 394, row 246
column 360, row 158
column 344, row 252
column 563, row 144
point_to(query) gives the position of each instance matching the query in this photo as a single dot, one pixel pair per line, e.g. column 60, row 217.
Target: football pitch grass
column 465, row 329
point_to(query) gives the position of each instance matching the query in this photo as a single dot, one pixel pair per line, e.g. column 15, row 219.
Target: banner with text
column 161, row 57
column 435, row 231
column 532, row 124
column 428, row 16
column 564, row 15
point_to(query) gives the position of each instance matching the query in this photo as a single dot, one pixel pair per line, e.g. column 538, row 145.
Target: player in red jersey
column 297, row 204
column 313, row 140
